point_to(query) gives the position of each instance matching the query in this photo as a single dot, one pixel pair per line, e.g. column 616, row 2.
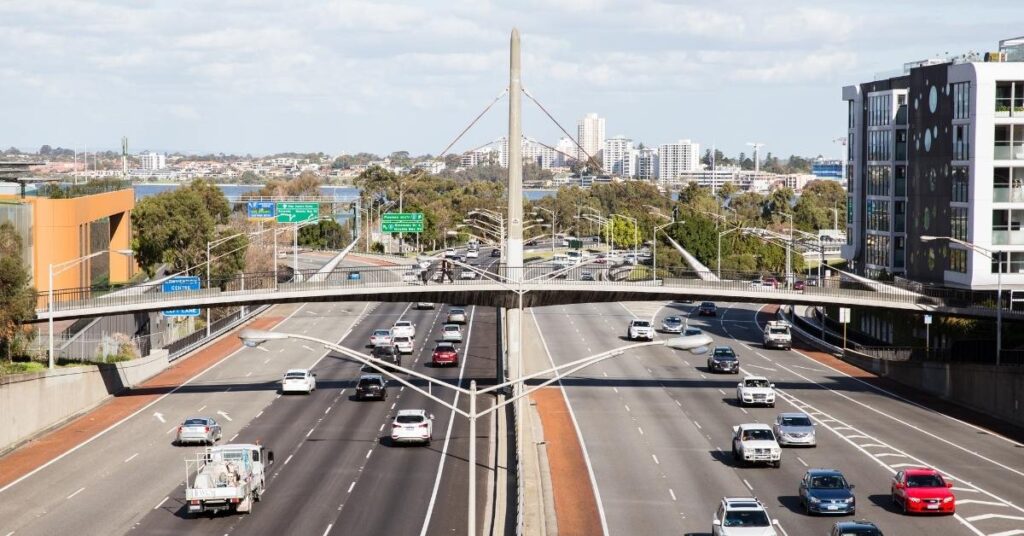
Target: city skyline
column 249, row 77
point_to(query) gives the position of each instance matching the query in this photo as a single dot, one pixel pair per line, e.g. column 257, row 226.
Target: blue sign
column 264, row 210
column 177, row 284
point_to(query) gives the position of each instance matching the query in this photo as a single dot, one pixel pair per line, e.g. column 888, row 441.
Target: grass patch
column 21, row 367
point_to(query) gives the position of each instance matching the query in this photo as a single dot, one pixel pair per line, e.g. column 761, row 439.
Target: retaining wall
column 35, row 402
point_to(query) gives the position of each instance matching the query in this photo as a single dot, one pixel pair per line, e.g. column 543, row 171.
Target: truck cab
column 226, row 478
column 777, row 335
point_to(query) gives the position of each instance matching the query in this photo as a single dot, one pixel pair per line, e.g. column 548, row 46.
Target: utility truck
column 226, row 478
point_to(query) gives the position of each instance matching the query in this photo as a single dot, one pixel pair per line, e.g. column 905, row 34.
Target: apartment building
column 647, row 164
column 152, row 161
column 939, row 151
column 590, row 135
column 620, row 157
column 677, row 158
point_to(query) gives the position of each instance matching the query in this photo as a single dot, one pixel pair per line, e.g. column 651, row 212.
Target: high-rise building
column 566, row 148
column 590, row 135
column 676, row 158
column 939, row 151
column 619, row 156
column 152, row 161
column 647, row 164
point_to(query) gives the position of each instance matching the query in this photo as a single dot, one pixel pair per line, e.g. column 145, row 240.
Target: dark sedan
column 826, row 491
column 707, row 309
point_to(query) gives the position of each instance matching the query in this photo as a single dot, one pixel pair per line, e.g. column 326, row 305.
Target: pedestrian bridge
column 500, row 286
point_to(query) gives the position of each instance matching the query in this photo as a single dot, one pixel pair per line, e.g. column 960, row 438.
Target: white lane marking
column 130, row 458
column 288, row 459
column 225, row 415
column 204, row 405
column 80, row 490
column 672, row 493
column 616, row 389
column 744, row 410
column 161, row 503
column 307, row 347
column 262, row 349
column 173, row 428
column 954, row 488
column 641, row 430
column 721, row 391
column 697, row 424
column 328, row 410
column 350, row 486
column 751, row 488
column 801, row 460
column 381, row 429
column 627, row 407
column 310, row 431
column 158, row 415
column 329, row 525
column 233, row 437
column 247, row 374
column 579, row 434
column 974, row 501
column 983, row 517
column 656, row 462
column 777, row 524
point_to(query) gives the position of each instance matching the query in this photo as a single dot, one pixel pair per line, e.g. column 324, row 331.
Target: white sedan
column 403, row 328
column 404, row 344
column 451, row 333
column 412, row 426
column 298, row 381
column 380, row 337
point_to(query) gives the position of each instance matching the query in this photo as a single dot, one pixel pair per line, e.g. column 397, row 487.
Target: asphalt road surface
column 657, row 431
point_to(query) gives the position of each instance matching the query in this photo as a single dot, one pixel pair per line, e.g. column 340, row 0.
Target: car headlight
column 849, row 501
column 948, row 499
column 914, row 499
column 815, row 500
column 776, row 451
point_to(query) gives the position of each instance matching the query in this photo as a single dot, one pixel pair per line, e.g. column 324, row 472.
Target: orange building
column 60, row 230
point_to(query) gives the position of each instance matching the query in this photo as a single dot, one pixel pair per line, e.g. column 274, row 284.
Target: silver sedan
column 795, row 430
column 202, row 430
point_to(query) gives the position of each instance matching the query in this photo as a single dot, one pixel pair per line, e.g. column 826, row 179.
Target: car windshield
column 758, row 435
column 451, row 328
column 828, row 482
column 779, row 331
column 458, row 312
column 707, row 304
column 195, row 422
column 924, row 481
column 444, row 348
column 692, row 331
column 866, row 531
column 409, row 419
column 673, row 320
column 294, row 376
column 746, row 518
column 403, row 324
column 370, row 382
column 796, row 421
column 724, row 352
column 381, row 333
column 400, row 340
column 641, row 324
column 757, row 383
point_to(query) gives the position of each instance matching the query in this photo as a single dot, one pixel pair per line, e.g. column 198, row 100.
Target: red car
column 445, row 354
column 922, row 491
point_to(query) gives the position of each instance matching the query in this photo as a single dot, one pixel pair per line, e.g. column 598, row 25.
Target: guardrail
column 679, row 279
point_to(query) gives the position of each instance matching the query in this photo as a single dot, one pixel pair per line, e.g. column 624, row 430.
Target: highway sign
column 401, row 222
column 291, row 212
column 844, row 315
column 261, row 209
column 177, row 284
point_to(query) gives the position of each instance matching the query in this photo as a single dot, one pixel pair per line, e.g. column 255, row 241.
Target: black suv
column 860, row 528
column 707, row 309
column 371, row 386
column 723, row 359
column 387, row 353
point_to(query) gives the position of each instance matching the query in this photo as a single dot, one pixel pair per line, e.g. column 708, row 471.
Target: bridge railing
column 534, row 275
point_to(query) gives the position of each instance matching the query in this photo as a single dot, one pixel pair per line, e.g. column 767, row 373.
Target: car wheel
column 735, row 453
column 772, row 405
column 807, row 507
column 777, row 464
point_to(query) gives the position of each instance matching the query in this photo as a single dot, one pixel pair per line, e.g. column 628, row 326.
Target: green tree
column 624, row 233
column 814, row 209
column 17, row 297
column 326, row 234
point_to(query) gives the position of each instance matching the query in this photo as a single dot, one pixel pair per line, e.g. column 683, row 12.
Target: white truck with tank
column 226, row 478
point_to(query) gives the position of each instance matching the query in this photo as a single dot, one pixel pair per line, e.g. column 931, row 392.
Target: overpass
column 503, row 286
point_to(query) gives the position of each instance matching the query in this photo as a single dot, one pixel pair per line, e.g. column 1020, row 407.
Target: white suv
column 412, row 425
column 741, row 516
column 298, row 381
column 640, row 330
column 755, row 443
column 403, row 328
column 755, row 390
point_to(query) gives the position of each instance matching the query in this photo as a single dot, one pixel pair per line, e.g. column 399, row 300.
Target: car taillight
column 424, row 425
column 396, row 425
column 195, row 501
column 206, row 429
column 179, row 428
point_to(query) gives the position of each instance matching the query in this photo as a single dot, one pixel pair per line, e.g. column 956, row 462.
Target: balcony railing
column 1008, row 195
column 1006, row 107
column 1008, row 150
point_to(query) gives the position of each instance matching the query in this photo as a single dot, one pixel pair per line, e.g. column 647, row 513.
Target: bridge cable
column 473, row 122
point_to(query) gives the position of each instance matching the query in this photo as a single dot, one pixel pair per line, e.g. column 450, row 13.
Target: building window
column 901, row 181
column 1011, row 262
column 1006, row 227
column 961, row 142
column 879, row 110
column 961, row 183
column 1010, row 98
column 1008, row 185
column 878, row 180
column 877, row 249
column 957, row 260
column 899, row 216
column 852, row 113
column 899, row 254
column 958, row 223
column 1009, row 142
column 849, row 210
column 962, row 100
column 880, row 145
column 878, row 215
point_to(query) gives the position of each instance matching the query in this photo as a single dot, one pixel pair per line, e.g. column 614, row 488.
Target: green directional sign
column 401, row 222
column 292, row 212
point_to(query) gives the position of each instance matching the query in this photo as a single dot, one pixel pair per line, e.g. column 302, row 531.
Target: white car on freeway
column 403, row 327
column 424, row 305
column 755, row 443
column 741, row 516
column 380, row 337
column 755, row 390
column 412, row 426
column 403, row 343
column 472, row 254
column 298, row 381
column 468, row 274
column 198, row 430
column 640, row 329
column 795, row 429
column 451, row 333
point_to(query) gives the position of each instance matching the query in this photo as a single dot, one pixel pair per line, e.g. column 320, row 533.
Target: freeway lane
column 675, row 417
column 332, row 467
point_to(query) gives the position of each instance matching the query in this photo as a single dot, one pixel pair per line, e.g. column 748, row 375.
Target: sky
column 345, row 76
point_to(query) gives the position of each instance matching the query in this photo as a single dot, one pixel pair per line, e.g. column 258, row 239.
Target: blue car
column 826, row 491
column 354, row 276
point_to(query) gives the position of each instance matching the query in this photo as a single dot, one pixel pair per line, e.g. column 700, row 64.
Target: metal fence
column 978, row 303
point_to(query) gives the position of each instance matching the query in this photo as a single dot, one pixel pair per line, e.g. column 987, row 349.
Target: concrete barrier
column 35, row 402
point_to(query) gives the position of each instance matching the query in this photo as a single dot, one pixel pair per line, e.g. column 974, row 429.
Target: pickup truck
column 755, row 443
column 226, row 478
column 777, row 335
column 755, row 390
column 640, row 330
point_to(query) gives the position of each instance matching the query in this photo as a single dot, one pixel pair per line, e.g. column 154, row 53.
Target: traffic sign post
column 261, row 210
column 292, row 212
column 178, row 284
column 401, row 222
column 927, row 333
column 844, row 319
